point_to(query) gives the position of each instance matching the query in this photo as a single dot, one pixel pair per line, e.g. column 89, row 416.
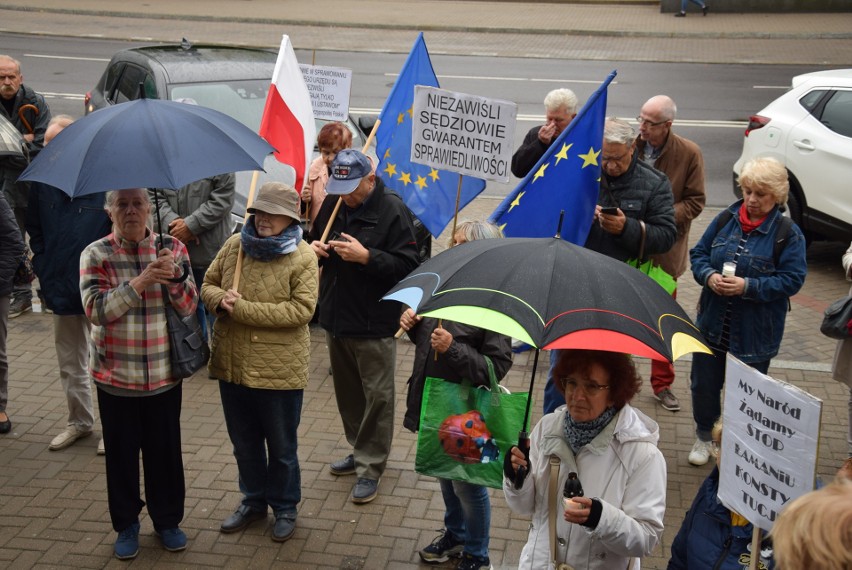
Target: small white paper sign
column 769, row 443
column 329, row 89
column 463, row 133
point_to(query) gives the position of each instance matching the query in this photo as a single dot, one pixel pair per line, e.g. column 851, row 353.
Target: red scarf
column 748, row 225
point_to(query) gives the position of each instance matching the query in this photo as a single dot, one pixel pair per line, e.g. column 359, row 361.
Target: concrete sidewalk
column 53, row 507
column 624, row 31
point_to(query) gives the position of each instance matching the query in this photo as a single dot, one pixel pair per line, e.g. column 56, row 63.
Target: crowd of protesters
column 360, row 243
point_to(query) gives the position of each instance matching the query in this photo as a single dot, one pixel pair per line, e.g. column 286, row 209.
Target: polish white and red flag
column 288, row 118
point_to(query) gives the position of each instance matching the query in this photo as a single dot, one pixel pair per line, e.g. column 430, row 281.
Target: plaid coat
column 130, row 345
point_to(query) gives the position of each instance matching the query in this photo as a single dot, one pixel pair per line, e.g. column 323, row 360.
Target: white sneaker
column 67, row 437
column 700, row 453
column 101, row 447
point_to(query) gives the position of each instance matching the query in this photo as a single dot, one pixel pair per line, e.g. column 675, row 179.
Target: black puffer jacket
column 11, row 247
column 642, row 193
column 465, row 360
column 350, row 304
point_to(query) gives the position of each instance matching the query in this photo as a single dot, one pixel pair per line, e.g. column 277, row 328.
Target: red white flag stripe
column 288, row 118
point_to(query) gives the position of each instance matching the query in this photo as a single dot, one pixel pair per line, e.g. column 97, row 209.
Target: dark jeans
column 468, row 514
column 706, row 381
column 258, row 420
column 149, row 425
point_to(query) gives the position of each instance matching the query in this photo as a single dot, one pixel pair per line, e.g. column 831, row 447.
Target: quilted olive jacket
column 265, row 342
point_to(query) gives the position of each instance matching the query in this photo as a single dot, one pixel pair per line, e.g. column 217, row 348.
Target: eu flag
column 566, row 179
column 429, row 193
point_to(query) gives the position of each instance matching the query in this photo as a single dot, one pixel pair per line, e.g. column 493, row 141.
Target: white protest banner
column 463, row 133
column 769, row 443
column 329, row 89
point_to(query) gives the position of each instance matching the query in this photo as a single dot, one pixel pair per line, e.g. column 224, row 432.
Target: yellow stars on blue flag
column 429, row 193
column 566, row 178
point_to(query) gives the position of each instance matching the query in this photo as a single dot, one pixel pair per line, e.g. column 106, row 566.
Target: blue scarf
column 578, row 434
column 268, row 248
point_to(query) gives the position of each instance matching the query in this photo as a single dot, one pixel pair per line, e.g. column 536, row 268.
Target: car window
column 837, row 114
column 110, row 80
column 128, row 85
column 812, row 98
column 242, row 100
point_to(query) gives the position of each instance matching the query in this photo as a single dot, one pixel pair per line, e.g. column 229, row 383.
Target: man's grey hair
column 666, row 105
column 112, row 195
column 12, row 60
column 61, row 120
column 476, row 229
column 559, row 99
column 618, row 131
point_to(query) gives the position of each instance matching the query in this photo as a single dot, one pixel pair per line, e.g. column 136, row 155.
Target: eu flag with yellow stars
column 566, row 179
column 429, row 193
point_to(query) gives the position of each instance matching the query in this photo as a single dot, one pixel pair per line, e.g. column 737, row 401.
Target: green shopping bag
column 656, row 273
column 466, row 431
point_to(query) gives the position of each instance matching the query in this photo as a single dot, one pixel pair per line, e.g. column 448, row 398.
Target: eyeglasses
column 569, row 385
column 613, row 158
column 642, row 121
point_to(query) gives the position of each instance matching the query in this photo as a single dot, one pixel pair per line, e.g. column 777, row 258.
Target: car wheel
column 794, row 208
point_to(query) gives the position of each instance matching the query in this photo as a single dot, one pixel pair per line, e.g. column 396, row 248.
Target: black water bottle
column 572, row 489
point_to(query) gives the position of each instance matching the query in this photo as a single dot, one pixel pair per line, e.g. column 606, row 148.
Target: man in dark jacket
column 640, row 196
column 199, row 215
column 371, row 247
column 11, row 248
column 28, row 111
column 59, row 230
column 560, row 108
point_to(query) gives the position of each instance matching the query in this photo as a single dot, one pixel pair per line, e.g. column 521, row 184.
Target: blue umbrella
column 146, row 143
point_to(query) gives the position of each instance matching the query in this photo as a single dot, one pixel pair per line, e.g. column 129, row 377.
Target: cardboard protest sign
column 329, row 89
column 769, row 443
column 463, row 133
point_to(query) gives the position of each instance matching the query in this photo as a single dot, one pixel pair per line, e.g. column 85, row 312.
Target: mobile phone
column 335, row 236
column 609, row 210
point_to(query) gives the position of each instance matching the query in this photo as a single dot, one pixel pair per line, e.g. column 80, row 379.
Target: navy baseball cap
column 347, row 170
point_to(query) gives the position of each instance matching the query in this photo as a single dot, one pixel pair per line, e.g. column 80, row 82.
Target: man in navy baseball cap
column 373, row 249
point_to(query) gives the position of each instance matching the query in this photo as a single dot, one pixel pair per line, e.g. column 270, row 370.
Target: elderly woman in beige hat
column 260, row 352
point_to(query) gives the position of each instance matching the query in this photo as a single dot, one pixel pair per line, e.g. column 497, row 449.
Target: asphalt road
column 714, row 100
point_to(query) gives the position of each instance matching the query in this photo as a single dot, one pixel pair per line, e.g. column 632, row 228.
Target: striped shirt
column 130, row 345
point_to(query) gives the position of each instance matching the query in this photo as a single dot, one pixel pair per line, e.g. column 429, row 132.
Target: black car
column 232, row 80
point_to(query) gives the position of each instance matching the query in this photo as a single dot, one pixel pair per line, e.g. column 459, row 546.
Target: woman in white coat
column 612, row 448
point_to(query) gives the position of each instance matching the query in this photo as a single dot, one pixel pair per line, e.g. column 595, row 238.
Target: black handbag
column 188, row 351
column 836, row 320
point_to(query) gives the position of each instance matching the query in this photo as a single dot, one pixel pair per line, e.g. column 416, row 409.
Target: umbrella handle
column 524, row 446
column 182, row 278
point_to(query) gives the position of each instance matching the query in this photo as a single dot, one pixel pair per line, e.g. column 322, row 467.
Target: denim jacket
column 757, row 316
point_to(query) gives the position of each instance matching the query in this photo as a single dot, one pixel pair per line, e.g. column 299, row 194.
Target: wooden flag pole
column 239, row 268
column 456, row 215
column 339, row 199
column 755, row 547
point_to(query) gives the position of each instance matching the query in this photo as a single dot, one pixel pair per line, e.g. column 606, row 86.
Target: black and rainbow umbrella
column 551, row 294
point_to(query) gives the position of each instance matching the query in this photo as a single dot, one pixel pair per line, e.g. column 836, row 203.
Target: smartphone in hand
column 609, row 210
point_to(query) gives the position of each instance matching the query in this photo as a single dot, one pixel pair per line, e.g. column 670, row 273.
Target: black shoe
column 241, row 518
column 680, row 14
column 285, row 526
column 443, row 548
column 6, row 426
column 345, row 466
column 365, row 490
column 704, row 10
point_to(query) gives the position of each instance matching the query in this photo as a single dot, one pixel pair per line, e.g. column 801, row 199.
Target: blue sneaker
column 173, row 539
column 127, row 543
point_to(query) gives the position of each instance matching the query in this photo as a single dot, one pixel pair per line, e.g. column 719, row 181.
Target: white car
column 809, row 129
